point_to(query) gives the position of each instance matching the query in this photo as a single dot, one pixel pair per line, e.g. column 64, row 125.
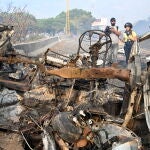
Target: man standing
column 114, row 34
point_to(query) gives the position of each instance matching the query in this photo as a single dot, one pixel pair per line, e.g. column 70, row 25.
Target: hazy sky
column 122, row 10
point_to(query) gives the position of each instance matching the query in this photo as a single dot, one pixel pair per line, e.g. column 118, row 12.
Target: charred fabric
column 83, row 103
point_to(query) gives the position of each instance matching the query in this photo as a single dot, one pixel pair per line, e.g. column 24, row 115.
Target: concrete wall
column 34, row 46
column 145, row 44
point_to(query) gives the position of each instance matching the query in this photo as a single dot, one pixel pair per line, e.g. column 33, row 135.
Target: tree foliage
column 25, row 23
column 22, row 21
column 80, row 21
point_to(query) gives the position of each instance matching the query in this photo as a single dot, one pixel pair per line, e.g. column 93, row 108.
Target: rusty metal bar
column 60, row 142
column 21, row 86
column 92, row 73
column 75, row 73
column 130, row 108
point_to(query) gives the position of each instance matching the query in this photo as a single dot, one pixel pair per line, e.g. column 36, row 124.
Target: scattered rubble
column 72, row 105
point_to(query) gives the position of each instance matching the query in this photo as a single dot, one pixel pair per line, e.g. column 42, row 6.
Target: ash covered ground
column 26, row 113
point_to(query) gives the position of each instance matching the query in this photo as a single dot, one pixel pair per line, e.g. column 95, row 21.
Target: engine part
column 66, row 128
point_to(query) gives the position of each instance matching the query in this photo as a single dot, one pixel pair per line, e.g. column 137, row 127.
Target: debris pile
column 72, row 105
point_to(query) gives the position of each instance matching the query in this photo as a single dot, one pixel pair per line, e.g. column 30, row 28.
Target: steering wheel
column 95, row 42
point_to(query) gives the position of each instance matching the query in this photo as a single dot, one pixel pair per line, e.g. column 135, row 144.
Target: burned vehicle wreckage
column 85, row 103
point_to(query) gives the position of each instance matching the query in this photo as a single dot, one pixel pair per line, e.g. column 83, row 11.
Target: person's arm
column 118, row 33
column 122, row 37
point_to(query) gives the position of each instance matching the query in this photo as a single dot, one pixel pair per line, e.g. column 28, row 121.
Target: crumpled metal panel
column 9, row 97
column 63, row 124
column 131, row 145
column 146, row 92
column 128, row 139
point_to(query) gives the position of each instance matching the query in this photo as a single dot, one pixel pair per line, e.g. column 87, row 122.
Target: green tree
column 80, row 21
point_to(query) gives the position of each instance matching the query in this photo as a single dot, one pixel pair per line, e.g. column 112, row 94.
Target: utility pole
column 67, row 29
